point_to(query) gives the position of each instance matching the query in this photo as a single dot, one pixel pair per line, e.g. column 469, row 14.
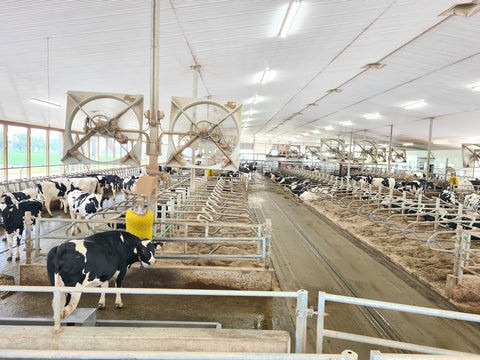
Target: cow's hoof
column 101, row 306
column 9, row 258
column 119, row 306
column 17, row 258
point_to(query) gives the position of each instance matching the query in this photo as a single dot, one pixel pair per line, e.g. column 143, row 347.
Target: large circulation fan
column 117, row 117
column 204, row 134
column 294, row 152
column 332, row 150
column 471, row 155
column 365, row 151
column 312, row 152
column 399, row 155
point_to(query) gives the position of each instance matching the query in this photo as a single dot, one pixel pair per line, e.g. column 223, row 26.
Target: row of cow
column 83, row 196
column 447, row 214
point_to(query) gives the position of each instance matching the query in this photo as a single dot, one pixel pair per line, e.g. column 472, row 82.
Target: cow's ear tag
column 135, row 250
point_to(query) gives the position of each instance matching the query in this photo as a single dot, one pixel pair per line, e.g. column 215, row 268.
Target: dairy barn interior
column 306, row 170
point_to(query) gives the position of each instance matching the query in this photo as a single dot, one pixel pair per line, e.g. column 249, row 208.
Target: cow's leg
column 118, row 284
column 72, row 303
column 101, row 302
column 47, row 206
column 65, row 205
column 10, row 246
column 19, row 237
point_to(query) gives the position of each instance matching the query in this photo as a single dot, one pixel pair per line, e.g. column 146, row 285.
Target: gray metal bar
column 404, row 308
column 391, row 343
column 171, row 355
column 301, row 322
column 377, row 355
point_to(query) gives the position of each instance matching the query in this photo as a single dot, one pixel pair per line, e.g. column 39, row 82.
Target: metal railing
column 302, row 313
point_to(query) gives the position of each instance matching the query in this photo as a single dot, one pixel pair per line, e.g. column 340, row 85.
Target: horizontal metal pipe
column 404, row 308
column 377, row 355
column 173, row 355
column 150, row 291
column 391, row 343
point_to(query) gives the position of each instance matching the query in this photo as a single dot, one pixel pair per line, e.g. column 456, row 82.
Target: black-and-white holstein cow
column 472, row 201
column 10, row 198
column 107, row 182
column 127, row 184
column 13, row 217
column 83, row 204
column 93, row 261
column 57, row 189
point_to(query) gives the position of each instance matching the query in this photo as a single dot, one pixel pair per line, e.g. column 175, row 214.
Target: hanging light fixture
column 289, row 17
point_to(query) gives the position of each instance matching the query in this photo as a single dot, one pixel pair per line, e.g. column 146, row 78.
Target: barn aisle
column 309, row 252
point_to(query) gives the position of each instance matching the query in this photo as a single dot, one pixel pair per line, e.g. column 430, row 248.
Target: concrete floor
column 308, row 253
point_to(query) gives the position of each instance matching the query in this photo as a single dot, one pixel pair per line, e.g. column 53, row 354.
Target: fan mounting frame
column 97, row 123
column 204, row 132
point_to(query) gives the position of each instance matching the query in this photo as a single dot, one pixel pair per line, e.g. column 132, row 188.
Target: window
column 17, row 152
column 38, row 155
column 55, row 152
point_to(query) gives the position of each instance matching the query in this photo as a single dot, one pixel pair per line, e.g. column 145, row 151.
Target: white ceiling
column 49, row 47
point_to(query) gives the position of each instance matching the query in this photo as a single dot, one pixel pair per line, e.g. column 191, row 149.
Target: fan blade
column 184, row 113
column 71, row 152
column 226, row 117
column 223, row 151
column 121, row 113
column 183, row 147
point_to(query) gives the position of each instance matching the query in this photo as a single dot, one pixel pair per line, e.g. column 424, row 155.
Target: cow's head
column 146, row 252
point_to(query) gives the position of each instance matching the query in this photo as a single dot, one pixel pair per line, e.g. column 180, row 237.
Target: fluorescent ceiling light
column 306, row 134
column 407, row 144
column 476, row 88
column 44, row 102
column 440, row 141
column 316, row 131
column 329, row 127
column 372, row 116
column 265, row 76
column 414, row 104
column 346, row 123
column 289, row 17
column 256, row 99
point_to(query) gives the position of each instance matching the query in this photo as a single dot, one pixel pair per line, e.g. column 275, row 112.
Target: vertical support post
column 320, row 323
column 154, row 147
column 429, row 147
column 37, row 237
column 56, row 307
column 28, row 237
column 389, row 160
column 301, row 322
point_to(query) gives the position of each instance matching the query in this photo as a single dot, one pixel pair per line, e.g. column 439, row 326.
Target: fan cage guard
column 471, row 155
column 225, row 157
column 76, row 100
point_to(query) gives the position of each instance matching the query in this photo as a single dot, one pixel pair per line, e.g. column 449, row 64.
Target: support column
column 154, row 147
column 429, row 147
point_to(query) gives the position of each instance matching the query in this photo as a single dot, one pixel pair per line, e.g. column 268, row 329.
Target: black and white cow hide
column 13, row 218
column 83, row 204
column 93, row 261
